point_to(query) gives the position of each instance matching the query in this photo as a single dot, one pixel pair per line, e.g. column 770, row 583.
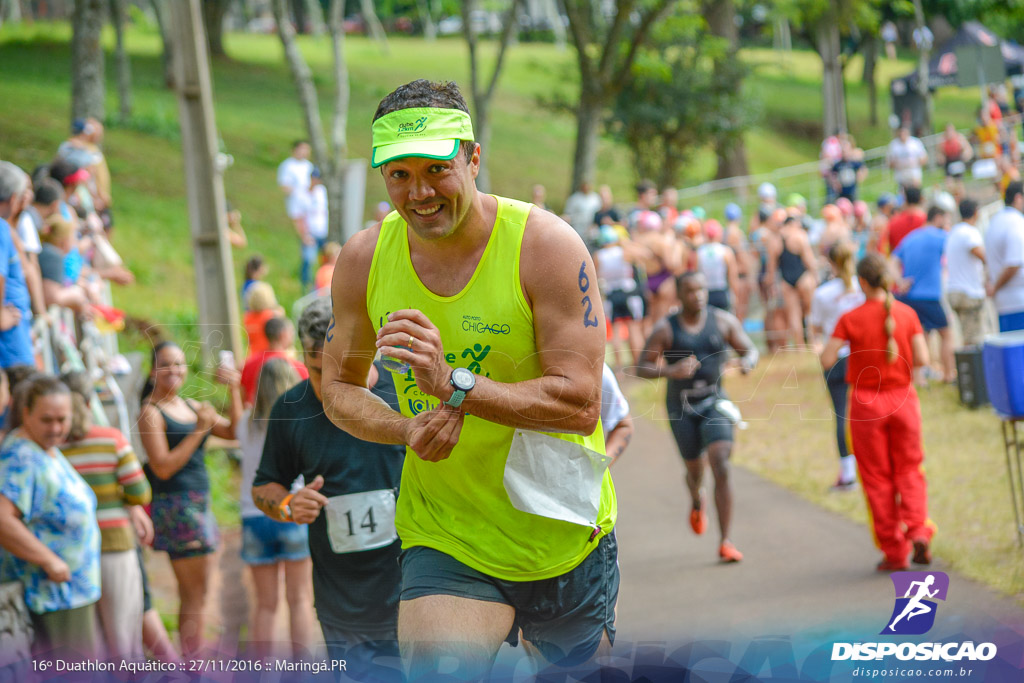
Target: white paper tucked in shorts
column 554, row 478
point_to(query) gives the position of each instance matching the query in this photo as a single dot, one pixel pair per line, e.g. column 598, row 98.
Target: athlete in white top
column 830, row 301
column 718, row 263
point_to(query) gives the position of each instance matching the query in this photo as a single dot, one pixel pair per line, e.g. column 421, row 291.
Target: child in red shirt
column 884, row 415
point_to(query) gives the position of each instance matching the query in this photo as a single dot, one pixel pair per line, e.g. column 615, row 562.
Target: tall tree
column 124, row 67
column 330, row 157
column 87, row 81
column 214, row 12
column 730, row 149
column 374, row 25
column 427, row 17
column 482, row 94
column 869, row 48
column 605, row 50
column 673, row 101
column 160, row 10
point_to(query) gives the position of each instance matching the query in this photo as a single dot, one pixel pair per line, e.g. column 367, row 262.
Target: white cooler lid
column 1015, row 338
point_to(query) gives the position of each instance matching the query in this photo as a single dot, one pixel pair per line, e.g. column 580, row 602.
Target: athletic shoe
column 892, row 566
column 922, row 554
column 698, row 518
column 841, row 486
column 728, row 553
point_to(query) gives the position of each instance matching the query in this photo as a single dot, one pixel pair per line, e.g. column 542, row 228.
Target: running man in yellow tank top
column 506, row 507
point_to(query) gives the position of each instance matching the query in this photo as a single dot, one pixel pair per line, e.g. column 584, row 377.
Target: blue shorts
column 266, row 541
column 564, row 617
column 1011, row 322
column 930, row 313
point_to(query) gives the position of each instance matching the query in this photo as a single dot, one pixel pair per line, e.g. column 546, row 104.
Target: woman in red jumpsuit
column 884, row 415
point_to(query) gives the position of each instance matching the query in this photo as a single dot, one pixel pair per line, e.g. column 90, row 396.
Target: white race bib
column 361, row 521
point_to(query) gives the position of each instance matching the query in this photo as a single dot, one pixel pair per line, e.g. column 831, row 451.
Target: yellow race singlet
column 459, row 506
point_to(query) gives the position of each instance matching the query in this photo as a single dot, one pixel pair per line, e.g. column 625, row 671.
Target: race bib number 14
column 361, row 521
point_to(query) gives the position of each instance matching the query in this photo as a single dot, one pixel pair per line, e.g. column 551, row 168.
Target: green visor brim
column 429, row 149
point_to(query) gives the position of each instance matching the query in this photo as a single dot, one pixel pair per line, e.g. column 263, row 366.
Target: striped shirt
column 106, row 461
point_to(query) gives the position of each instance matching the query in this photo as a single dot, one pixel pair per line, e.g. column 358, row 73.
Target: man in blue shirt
column 16, row 313
column 919, row 258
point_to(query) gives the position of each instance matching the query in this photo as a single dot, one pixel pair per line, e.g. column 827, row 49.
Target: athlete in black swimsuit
column 690, row 349
column 791, row 265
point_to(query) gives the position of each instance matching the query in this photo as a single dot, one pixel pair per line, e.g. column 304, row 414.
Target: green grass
column 786, row 406
column 257, row 116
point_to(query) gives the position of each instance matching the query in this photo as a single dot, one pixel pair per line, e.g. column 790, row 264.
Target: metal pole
column 215, row 281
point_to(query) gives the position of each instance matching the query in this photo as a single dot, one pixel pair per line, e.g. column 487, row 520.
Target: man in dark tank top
column 691, row 349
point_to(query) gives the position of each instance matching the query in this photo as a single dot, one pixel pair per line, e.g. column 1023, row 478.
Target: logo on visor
column 416, row 126
column 914, row 612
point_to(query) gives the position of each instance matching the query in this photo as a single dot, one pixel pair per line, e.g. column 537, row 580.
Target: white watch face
column 463, row 379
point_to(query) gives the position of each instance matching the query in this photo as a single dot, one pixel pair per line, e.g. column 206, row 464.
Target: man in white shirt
column 965, row 273
column 615, row 417
column 293, row 176
column 580, row 209
column 1004, row 248
column 311, row 225
column 906, row 157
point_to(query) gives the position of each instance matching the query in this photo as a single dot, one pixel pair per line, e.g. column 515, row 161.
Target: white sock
column 848, row 468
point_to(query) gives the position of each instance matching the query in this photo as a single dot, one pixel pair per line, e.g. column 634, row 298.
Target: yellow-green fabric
column 459, row 505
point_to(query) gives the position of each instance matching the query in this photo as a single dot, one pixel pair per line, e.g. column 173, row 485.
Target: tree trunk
column 11, row 12
column 429, row 27
column 555, row 19
column 922, row 75
column 316, row 17
column 303, row 78
column 213, row 18
column 827, row 42
column 339, row 122
column 299, row 15
column 588, row 123
column 482, row 131
column 870, row 61
column 124, row 67
column 730, row 149
column 374, row 25
column 87, row 81
column 167, row 56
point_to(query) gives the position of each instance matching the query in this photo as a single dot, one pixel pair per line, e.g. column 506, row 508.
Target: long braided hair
column 874, row 269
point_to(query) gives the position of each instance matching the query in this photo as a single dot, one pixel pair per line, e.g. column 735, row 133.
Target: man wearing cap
column 495, row 307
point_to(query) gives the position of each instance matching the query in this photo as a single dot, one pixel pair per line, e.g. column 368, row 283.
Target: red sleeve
column 248, row 379
column 841, row 332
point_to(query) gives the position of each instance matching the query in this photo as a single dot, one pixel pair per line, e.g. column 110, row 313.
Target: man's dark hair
column 275, row 329
column 934, row 212
column 1012, row 190
column 314, row 321
column 299, row 142
column 61, row 169
column 48, row 191
column 912, row 194
column 424, row 93
column 645, row 186
column 968, row 209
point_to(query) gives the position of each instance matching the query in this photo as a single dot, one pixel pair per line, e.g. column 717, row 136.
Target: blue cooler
column 1004, row 372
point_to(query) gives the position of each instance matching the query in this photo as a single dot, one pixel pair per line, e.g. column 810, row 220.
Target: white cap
column 767, row 191
column 944, row 201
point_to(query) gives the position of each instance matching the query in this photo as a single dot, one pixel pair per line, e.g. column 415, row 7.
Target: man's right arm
column 349, row 350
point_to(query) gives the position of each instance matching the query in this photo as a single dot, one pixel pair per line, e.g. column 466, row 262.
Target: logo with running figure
column 416, row 126
column 914, row 612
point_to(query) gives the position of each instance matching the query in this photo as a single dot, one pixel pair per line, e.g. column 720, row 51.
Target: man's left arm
column 560, row 283
column 737, row 338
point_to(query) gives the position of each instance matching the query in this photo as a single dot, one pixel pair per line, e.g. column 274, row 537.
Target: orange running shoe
column 727, row 551
column 698, row 518
column 887, row 565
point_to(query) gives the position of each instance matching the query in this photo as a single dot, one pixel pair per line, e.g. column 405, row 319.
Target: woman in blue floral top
column 48, row 526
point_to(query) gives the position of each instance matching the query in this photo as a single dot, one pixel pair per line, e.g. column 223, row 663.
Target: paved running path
column 806, row 570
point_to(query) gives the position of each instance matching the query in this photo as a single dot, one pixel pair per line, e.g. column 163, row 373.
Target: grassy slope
column 257, row 116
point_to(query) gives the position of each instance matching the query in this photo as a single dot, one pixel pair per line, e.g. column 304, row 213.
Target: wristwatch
column 463, row 381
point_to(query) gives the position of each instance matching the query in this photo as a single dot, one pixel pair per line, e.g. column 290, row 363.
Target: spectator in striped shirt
column 105, row 459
